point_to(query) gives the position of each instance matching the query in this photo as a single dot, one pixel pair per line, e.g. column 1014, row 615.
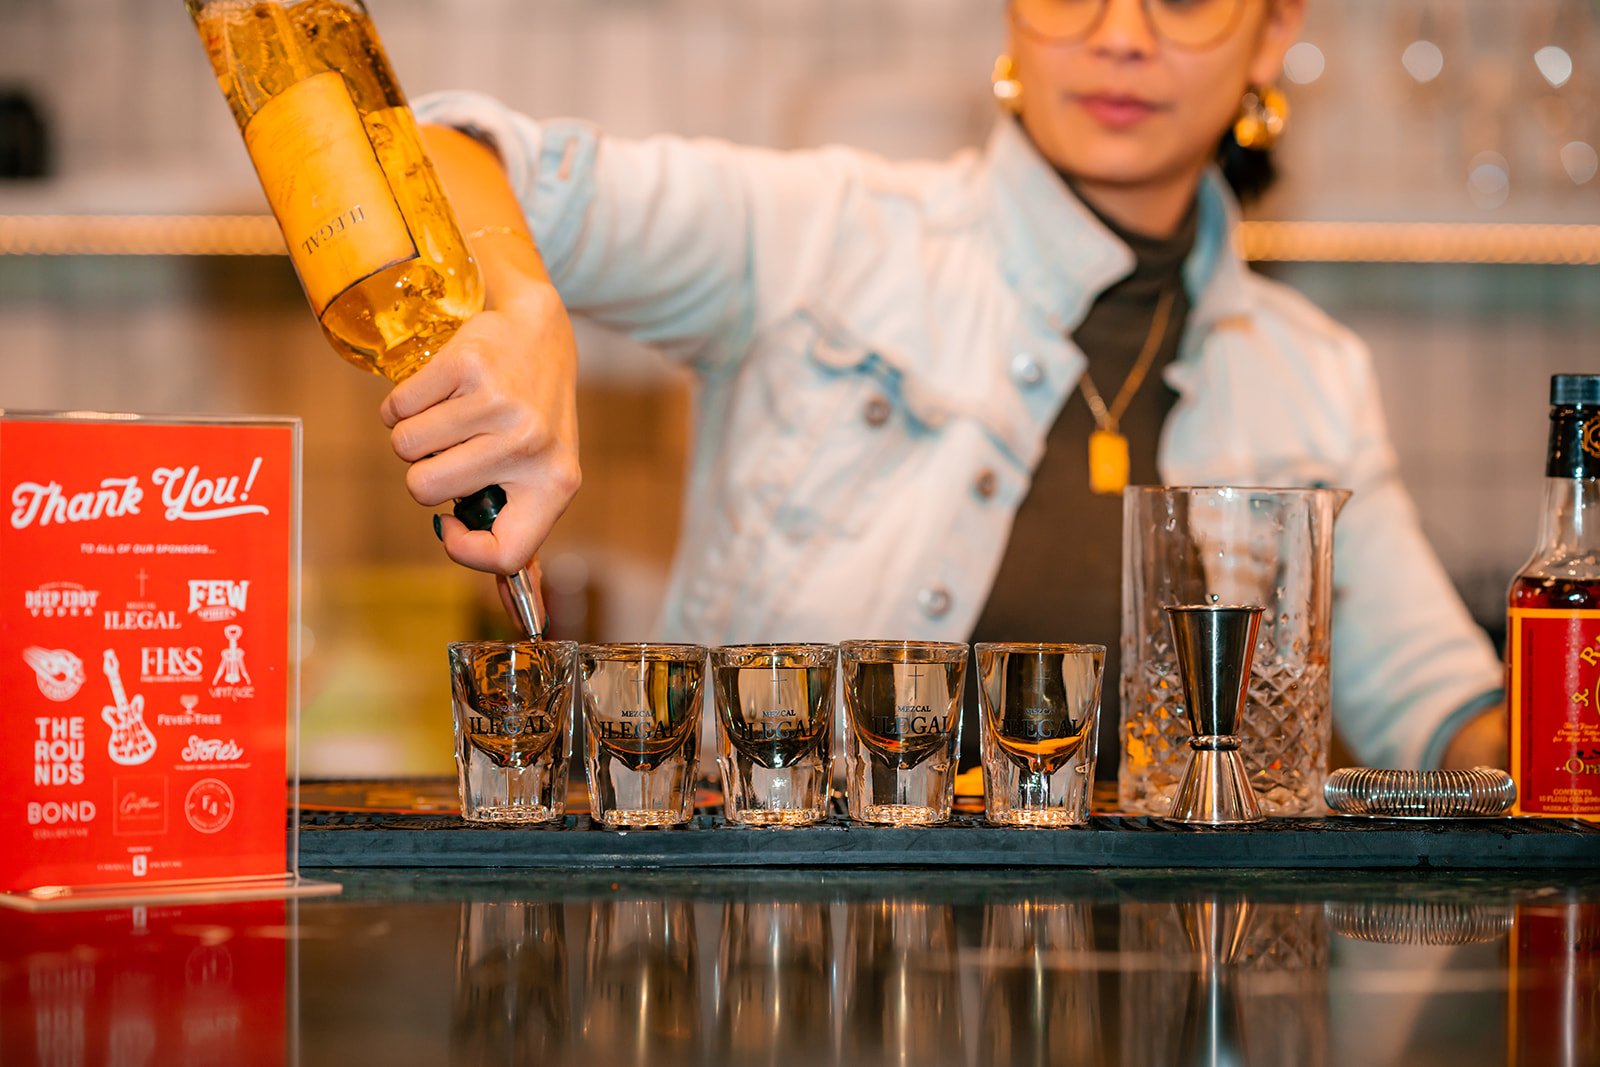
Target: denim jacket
column 881, row 349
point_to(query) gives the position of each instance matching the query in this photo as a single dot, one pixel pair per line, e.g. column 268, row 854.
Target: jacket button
column 986, row 485
column 934, row 602
column 1026, row 371
column 876, row 413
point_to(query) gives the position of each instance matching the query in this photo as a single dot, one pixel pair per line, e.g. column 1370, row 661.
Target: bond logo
column 209, row 805
column 217, row 601
column 211, row 750
column 60, row 600
column 141, row 804
column 60, row 673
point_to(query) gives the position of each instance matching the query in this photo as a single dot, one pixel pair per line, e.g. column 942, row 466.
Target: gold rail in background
column 140, row 235
column 1274, row 242
column 1420, row 242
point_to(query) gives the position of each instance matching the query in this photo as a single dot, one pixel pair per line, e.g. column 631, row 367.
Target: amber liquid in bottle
column 1553, row 615
column 343, row 165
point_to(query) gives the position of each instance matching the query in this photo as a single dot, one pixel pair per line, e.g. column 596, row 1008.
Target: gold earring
column 1262, row 115
column 1007, row 89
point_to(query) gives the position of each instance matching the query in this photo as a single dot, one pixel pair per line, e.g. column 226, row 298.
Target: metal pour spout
column 478, row 512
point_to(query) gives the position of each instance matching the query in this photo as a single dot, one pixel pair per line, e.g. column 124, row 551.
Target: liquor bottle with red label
column 1553, row 617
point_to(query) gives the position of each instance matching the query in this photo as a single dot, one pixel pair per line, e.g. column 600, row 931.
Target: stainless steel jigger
column 1215, row 645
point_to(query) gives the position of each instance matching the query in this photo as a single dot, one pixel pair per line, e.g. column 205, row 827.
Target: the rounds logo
column 209, row 805
column 1591, row 437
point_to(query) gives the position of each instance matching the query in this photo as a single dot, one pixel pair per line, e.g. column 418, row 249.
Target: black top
column 1061, row 577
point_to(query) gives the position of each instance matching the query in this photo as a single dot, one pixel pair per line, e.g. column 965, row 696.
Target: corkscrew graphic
column 231, row 668
column 131, row 742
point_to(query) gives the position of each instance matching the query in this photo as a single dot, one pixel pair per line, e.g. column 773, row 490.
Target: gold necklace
column 1108, row 448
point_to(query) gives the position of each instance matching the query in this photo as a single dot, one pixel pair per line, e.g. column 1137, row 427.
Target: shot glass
column 902, row 701
column 774, row 711
column 513, row 723
column 641, row 713
column 1039, row 706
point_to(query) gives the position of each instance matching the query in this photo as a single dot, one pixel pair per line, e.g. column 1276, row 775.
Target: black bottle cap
column 1575, row 390
column 478, row 511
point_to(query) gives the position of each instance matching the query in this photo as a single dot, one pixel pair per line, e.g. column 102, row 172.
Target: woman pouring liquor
column 921, row 386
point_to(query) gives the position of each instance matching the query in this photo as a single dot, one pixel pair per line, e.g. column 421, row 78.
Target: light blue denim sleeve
column 690, row 246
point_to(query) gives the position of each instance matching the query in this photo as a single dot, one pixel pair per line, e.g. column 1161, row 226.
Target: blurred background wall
column 1450, row 111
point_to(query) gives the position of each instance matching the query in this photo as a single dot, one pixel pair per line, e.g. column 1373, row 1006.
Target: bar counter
column 819, row 965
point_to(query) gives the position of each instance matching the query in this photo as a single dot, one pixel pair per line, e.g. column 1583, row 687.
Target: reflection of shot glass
column 641, row 710
column 903, row 703
column 774, row 709
column 513, row 721
column 1039, row 706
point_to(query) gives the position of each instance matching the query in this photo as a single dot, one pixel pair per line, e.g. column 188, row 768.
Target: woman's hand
column 496, row 406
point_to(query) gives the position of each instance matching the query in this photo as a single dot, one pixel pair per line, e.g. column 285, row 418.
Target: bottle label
column 326, row 187
column 1554, row 695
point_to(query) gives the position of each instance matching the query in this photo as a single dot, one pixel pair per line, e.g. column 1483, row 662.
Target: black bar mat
column 376, row 839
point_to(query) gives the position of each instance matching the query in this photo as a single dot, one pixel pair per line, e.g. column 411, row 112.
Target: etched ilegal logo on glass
column 641, row 708
column 1039, row 706
column 903, row 704
column 513, row 727
column 774, row 713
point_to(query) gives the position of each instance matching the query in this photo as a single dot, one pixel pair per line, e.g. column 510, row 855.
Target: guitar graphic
column 131, row 743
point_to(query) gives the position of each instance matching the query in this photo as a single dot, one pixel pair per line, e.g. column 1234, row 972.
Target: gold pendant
column 1108, row 462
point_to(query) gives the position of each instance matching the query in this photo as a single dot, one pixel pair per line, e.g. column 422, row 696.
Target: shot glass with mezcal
column 774, row 713
column 641, row 714
column 513, row 726
column 903, row 705
column 1039, row 704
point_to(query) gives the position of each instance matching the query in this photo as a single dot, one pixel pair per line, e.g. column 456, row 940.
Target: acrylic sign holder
column 149, row 616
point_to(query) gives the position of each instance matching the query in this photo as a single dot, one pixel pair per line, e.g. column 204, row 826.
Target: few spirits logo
column 217, row 601
column 60, row 600
column 60, row 672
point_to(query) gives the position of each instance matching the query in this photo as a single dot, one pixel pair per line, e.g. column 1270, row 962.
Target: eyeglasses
column 1189, row 24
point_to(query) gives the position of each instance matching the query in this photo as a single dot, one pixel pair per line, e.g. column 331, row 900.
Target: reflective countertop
column 795, row 967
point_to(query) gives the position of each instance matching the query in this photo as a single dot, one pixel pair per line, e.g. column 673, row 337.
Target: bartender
column 921, row 386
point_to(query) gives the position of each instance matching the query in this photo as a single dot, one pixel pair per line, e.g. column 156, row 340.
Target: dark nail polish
column 438, row 527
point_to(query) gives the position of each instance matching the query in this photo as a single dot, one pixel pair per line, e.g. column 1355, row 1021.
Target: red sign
column 146, row 579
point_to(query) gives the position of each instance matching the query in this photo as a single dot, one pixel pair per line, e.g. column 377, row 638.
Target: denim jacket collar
column 1060, row 257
